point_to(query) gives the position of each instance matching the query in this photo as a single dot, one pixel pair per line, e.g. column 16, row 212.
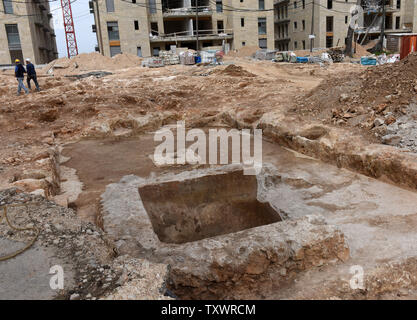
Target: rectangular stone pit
column 205, row 206
column 217, row 231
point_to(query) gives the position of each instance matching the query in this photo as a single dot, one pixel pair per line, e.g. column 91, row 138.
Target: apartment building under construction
column 144, row 27
column 26, row 31
column 324, row 23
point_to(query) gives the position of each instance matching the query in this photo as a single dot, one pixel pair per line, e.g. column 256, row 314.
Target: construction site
column 330, row 214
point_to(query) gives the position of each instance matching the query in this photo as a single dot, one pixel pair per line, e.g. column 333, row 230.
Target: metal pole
column 312, row 28
column 196, row 23
column 383, row 25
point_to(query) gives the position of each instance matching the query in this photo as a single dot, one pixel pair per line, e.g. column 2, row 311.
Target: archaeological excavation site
column 327, row 209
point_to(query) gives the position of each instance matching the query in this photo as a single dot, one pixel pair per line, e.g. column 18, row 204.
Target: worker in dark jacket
column 19, row 72
column 30, row 68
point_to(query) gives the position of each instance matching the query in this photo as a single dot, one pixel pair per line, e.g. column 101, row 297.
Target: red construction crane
column 72, row 48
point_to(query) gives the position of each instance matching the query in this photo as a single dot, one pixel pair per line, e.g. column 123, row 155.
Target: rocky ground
column 82, row 249
column 380, row 102
column 125, row 102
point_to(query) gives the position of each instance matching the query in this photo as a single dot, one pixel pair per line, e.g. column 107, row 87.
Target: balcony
column 377, row 30
column 281, row 20
column 192, row 35
column 281, row 1
column 187, row 12
column 285, row 38
column 389, row 8
column 392, row 8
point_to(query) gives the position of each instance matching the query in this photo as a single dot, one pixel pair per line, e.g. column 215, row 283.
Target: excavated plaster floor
column 378, row 219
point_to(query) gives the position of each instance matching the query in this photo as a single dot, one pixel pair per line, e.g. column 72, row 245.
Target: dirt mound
column 125, row 60
column 362, row 50
column 91, row 62
column 235, row 71
column 244, row 52
column 384, row 91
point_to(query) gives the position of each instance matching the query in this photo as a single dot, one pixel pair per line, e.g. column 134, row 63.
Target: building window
column 13, row 39
column 154, row 28
column 304, row 4
column 329, row 4
column 346, row 19
column 155, row 51
column 219, row 6
column 220, row 26
column 133, row 1
column 304, row 24
column 152, row 6
column 261, row 25
column 295, row 44
column 398, row 4
column 295, row 4
column 13, row 35
column 110, row 5
column 261, row 4
column 8, row 7
column 262, row 43
column 329, row 24
column 397, row 22
column 113, row 31
column 304, row 44
column 242, row 22
column 114, row 50
column 243, row 43
column 139, row 50
column 295, row 25
column 136, row 23
column 329, row 42
column 388, row 22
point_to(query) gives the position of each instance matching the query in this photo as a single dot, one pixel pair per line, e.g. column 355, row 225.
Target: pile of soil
column 126, row 60
column 90, row 62
column 359, row 99
column 247, row 51
column 235, row 71
column 360, row 51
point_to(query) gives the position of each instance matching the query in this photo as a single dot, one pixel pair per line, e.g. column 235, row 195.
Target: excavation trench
column 208, row 206
column 230, row 235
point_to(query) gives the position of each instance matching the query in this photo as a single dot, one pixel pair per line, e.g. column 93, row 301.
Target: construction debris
column 265, row 54
column 187, row 57
column 374, row 99
column 154, row 62
column 169, row 57
column 337, row 54
column 97, row 74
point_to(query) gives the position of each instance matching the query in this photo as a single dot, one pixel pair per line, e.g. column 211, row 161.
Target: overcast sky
column 86, row 39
